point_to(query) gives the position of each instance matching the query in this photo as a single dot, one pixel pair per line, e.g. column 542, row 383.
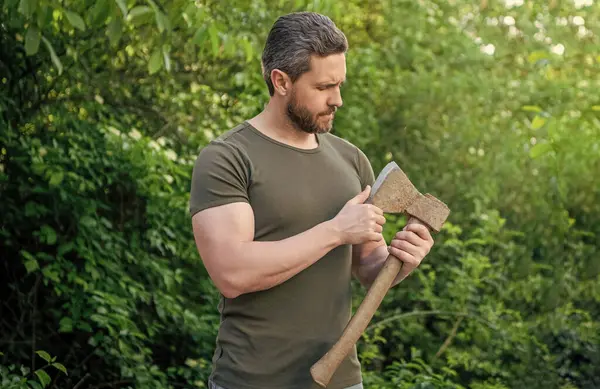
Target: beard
column 304, row 120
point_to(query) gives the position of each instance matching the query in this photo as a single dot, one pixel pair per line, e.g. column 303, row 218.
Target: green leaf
column 31, row 265
column 99, row 12
column 123, row 6
column 51, row 273
column 200, row 36
column 43, row 16
column 32, row 40
column 167, row 59
column 539, row 150
column 538, row 122
column 532, row 108
column 536, row 56
column 248, row 50
column 26, row 254
column 53, row 55
column 44, row 355
column 88, row 221
column 34, row 384
column 65, row 324
column 60, row 367
column 156, row 61
column 56, row 178
column 27, row 7
column 160, row 20
column 138, row 11
column 213, row 33
column 553, row 131
column 49, row 234
column 44, row 377
column 595, row 107
column 65, row 248
column 114, row 31
column 75, row 20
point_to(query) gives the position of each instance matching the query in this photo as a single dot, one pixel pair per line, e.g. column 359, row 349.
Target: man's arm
column 237, row 264
column 367, row 260
column 410, row 245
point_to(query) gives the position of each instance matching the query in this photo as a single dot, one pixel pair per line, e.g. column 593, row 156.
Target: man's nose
column 336, row 98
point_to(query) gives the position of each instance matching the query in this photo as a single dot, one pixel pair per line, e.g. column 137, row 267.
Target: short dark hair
column 294, row 38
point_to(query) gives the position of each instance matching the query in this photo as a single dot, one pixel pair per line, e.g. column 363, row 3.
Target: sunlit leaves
column 538, row 122
column 27, row 7
column 44, row 377
column 137, row 11
column 115, row 31
column 32, row 40
column 55, row 60
column 123, row 7
column 75, row 20
column 44, row 355
column 156, row 61
column 540, row 149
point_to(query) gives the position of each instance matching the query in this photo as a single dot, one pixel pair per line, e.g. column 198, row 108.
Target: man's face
column 316, row 95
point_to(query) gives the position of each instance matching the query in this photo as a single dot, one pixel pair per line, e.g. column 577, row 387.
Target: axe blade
column 381, row 178
column 392, row 191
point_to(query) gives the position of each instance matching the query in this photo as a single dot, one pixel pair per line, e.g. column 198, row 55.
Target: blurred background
column 492, row 106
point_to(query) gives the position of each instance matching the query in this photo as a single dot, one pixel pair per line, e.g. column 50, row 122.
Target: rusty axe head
column 394, row 193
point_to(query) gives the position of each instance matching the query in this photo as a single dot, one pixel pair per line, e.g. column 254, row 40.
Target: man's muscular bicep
column 217, row 232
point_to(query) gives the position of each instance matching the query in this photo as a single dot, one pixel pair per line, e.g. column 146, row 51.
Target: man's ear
column 281, row 82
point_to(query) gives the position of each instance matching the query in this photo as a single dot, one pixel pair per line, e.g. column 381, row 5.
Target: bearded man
column 280, row 220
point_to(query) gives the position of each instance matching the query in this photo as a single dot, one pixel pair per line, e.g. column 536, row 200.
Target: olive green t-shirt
column 270, row 339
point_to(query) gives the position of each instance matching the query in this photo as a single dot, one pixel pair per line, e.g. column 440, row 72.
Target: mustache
column 332, row 110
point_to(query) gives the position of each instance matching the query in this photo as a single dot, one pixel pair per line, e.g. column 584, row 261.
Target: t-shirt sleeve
column 365, row 170
column 220, row 176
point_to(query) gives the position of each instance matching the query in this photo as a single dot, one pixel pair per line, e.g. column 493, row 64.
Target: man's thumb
column 362, row 196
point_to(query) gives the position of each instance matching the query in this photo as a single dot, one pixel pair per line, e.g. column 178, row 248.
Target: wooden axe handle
column 324, row 368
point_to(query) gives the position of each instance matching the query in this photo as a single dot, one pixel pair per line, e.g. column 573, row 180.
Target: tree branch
column 112, row 384
column 450, row 337
column 86, row 376
column 428, row 313
column 33, row 315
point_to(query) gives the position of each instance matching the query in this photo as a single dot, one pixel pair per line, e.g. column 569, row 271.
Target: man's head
column 304, row 64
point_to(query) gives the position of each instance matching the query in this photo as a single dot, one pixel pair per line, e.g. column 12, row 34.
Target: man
column 279, row 219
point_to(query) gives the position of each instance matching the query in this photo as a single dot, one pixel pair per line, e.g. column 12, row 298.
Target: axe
column 393, row 193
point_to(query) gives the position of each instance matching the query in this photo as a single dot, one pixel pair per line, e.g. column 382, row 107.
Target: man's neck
column 274, row 123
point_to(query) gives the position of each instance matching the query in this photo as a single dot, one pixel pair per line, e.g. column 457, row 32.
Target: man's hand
column 359, row 223
column 410, row 246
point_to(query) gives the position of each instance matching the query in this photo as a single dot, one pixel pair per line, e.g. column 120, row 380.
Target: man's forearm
column 263, row 265
column 370, row 266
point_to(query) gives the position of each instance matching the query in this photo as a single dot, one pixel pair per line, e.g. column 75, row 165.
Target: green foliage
column 490, row 106
column 24, row 378
column 111, row 270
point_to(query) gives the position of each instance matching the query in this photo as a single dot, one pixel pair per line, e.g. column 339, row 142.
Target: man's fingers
column 420, row 230
column 376, row 209
column 380, row 220
column 403, row 256
column 376, row 237
column 360, row 197
column 406, row 246
column 411, row 237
